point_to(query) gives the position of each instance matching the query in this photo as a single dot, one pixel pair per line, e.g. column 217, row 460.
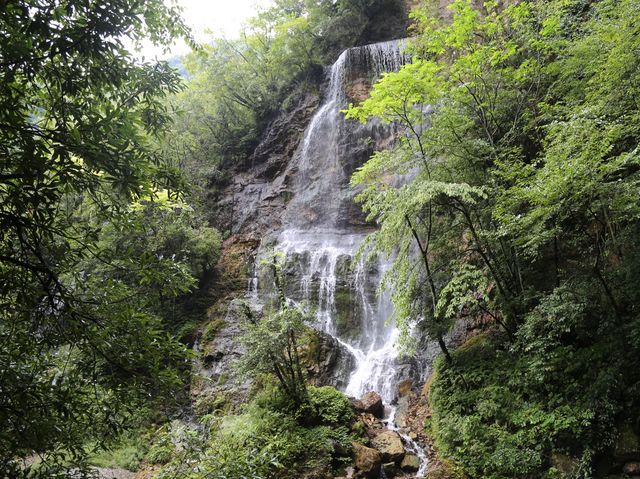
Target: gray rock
column 328, row 362
column 214, row 372
column 402, row 413
column 259, row 190
column 105, row 473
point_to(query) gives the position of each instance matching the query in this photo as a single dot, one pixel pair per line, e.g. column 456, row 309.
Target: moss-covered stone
column 211, row 329
column 348, row 315
column 210, row 403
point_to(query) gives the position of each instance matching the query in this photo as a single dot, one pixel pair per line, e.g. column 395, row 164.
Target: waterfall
column 323, row 229
column 333, row 148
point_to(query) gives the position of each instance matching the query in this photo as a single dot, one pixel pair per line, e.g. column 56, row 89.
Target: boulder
column 632, row 468
column 366, row 460
column 391, row 470
column 410, row 463
column 372, row 404
column 390, row 446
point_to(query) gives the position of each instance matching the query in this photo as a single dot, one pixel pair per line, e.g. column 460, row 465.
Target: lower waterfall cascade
column 319, row 238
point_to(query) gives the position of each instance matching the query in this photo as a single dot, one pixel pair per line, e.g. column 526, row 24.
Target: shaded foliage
column 82, row 344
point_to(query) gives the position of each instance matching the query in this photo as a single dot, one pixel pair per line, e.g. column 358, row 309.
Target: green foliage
column 126, row 453
column 327, row 406
column 178, row 249
column 210, row 404
column 501, row 412
column 272, row 347
column 264, row 442
column 81, row 347
column 162, row 449
column 517, row 144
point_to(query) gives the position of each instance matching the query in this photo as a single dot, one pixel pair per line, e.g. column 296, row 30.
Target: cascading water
column 318, row 231
column 322, row 230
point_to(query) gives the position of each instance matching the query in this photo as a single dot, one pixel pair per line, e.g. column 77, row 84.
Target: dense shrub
column 265, row 441
column 501, row 410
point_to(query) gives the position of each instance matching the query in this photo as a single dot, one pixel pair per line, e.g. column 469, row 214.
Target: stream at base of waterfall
column 322, row 231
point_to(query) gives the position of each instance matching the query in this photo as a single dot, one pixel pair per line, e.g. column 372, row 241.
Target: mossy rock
column 210, row 403
column 477, row 342
column 347, row 314
column 211, row 330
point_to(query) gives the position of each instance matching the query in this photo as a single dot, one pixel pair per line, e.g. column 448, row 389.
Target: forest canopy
column 521, row 138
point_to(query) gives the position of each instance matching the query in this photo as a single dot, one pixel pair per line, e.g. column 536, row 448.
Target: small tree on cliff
column 272, row 342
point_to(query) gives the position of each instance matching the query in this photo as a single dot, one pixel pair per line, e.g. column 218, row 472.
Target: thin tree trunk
column 425, row 257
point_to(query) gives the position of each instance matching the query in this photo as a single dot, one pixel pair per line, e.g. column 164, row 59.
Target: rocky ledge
column 387, row 452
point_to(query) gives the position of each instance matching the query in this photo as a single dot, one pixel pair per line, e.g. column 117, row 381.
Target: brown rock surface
column 372, row 404
column 390, row 446
column 366, row 460
column 405, row 387
column 358, row 90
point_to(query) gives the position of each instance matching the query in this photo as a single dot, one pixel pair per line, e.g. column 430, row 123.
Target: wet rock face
column 258, row 194
column 297, row 183
column 330, row 284
column 214, row 370
column 327, row 362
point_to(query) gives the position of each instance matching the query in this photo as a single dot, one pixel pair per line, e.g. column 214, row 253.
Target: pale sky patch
column 210, row 18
